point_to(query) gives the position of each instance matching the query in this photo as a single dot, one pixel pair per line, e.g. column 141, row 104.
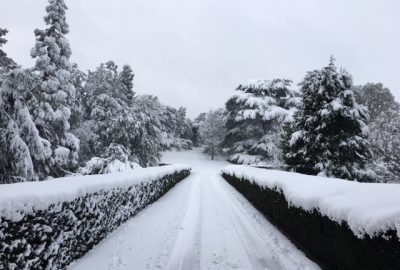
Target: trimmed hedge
column 54, row 237
column 332, row 245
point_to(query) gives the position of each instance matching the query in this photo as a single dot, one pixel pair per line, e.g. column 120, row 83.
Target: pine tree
column 329, row 133
column 23, row 151
column 6, row 63
column 126, row 77
column 254, row 118
column 52, row 99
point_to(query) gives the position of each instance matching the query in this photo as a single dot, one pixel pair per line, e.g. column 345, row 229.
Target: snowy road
column 202, row 223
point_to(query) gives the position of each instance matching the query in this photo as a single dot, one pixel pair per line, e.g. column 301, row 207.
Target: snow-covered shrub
column 342, row 224
column 329, row 133
column 114, row 159
column 254, row 118
column 49, row 224
column 23, row 152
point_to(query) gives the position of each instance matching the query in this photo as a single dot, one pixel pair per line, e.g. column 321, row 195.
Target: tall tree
column 6, row 63
column 254, row 118
column 115, row 122
column 385, row 145
column 377, row 98
column 329, row 133
column 212, row 131
column 126, row 77
column 53, row 97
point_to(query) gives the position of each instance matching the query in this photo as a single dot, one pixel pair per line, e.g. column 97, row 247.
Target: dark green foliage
column 329, row 133
column 55, row 237
column 330, row 244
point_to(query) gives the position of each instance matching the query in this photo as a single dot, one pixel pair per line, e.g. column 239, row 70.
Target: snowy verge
column 47, row 225
column 367, row 208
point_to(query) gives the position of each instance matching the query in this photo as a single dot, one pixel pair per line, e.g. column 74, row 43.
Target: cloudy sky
column 194, row 53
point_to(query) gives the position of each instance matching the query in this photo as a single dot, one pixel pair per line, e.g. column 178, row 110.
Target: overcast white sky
column 194, row 53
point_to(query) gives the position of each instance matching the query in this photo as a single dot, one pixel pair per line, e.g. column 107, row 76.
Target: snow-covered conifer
column 329, row 133
column 113, row 117
column 51, row 107
column 6, row 63
column 78, row 80
column 126, row 77
column 254, row 118
column 212, row 131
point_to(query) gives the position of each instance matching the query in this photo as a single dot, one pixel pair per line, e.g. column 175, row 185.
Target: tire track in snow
column 185, row 252
column 202, row 223
column 265, row 246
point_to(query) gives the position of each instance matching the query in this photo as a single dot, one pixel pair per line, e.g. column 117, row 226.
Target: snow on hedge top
column 21, row 198
column 368, row 208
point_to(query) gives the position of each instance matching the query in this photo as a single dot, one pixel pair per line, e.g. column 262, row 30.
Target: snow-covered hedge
column 343, row 224
column 47, row 225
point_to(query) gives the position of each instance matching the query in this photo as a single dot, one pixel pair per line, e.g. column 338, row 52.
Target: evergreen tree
column 212, row 131
column 126, row 77
column 23, row 151
column 329, row 133
column 78, row 80
column 385, row 145
column 254, row 118
column 52, row 99
column 115, row 122
column 6, row 63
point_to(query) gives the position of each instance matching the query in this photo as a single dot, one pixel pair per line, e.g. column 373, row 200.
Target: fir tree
column 329, row 133
column 53, row 98
column 126, row 78
column 6, row 63
column 212, row 131
column 254, row 118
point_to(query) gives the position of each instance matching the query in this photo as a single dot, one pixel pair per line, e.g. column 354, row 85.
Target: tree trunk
column 212, row 152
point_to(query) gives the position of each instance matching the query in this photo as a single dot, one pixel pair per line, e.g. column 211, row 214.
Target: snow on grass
column 18, row 199
column 368, row 208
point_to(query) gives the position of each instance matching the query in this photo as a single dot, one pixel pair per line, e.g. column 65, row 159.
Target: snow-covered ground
column 202, row 223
